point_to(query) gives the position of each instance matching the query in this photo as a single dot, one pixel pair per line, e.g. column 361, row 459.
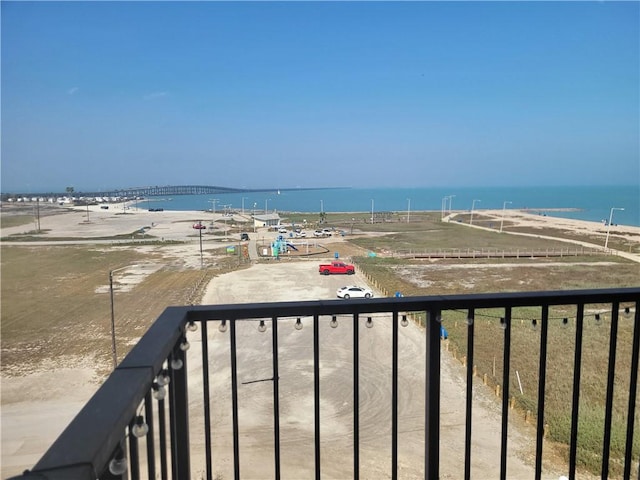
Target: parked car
column 354, row 292
column 282, row 230
column 199, row 226
column 318, row 233
column 301, row 234
column 244, row 236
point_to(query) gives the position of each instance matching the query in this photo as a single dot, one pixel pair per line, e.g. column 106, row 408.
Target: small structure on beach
column 266, row 220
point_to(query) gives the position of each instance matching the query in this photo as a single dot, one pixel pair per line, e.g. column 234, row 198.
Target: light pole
column 38, row 215
column 408, row 209
column 255, row 206
column 444, row 204
column 200, row 234
column 451, row 203
column 372, row 211
column 504, row 207
column 113, row 321
column 606, row 242
column 473, row 204
column 243, row 199
column 321, row 206
column 226, row 209
column 213, row 205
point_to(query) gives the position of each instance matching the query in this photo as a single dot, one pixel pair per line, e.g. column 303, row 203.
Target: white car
column 282, row 230
column 354, row 292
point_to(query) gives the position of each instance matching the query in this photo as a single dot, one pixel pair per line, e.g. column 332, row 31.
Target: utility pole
column 372, row 211
column 408, row 209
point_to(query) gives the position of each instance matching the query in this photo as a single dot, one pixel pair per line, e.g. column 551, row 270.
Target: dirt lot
column 280, row 281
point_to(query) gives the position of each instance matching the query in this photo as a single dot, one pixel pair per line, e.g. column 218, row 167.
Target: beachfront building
column 266, row 220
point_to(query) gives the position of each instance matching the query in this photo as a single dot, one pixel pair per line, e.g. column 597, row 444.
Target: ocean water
column 582, row 203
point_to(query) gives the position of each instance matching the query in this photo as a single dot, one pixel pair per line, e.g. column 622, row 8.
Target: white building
column 266, row 220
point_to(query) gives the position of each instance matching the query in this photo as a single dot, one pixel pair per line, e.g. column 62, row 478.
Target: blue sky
column 365, row 94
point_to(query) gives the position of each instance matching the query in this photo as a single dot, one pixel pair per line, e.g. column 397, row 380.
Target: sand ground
column 35, row 408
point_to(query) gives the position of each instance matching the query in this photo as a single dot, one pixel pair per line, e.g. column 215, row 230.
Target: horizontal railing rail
column 475, row 253
column 137, row 424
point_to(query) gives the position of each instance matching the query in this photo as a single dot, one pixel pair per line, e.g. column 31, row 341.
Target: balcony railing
column 161, row 413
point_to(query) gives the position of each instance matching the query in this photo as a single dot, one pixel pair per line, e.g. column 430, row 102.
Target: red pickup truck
column 336, row 267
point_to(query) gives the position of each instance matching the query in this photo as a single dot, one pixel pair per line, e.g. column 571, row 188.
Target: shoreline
column 123, row 218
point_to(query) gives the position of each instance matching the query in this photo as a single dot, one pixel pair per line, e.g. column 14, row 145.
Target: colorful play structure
column 280, row 246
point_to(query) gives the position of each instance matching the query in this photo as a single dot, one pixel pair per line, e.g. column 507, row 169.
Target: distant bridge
column 158, row 191
column 155, row 191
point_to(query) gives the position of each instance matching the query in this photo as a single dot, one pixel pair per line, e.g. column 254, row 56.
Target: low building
column 266, row 220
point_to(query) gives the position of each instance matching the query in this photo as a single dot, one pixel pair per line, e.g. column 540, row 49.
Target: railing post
column 356, row 398
column 471, row 372
column 432, row 396
column 505, row 392
column 180, row 408
column 633, row 387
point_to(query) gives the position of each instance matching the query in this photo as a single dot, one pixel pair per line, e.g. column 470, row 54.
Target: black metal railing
column 140, row 423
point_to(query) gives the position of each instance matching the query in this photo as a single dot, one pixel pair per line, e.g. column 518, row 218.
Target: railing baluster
column 506, row 365
column 575, row 406
column 134, row 458
column 206, row 399
column 316, row 392
column 394, row 397
column 356, row 398
column 162, row 433
column 633, row 388
column 276, row 397
column 172, row 420
column 469, row 399
column 542, row 376
column 151, row 456
column 234, row 401
column 179, row 407
column 432, row 396
column 608, row 412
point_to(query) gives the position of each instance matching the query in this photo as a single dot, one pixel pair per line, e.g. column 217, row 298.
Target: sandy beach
column 37, row 407
column 123, row 219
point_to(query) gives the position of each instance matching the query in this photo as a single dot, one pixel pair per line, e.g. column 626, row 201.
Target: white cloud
column 72, row 90
column 154, row 95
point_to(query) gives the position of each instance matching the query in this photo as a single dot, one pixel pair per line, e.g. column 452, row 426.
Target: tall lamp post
column 372, row 211
column 473, row 204
column 504, row 207
column 200, row 234
column 606, row 242
column 408, row 209
column 266, row 203
column 243, row 199
column 451, row 203
column 448, row 199
column 113, row 320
